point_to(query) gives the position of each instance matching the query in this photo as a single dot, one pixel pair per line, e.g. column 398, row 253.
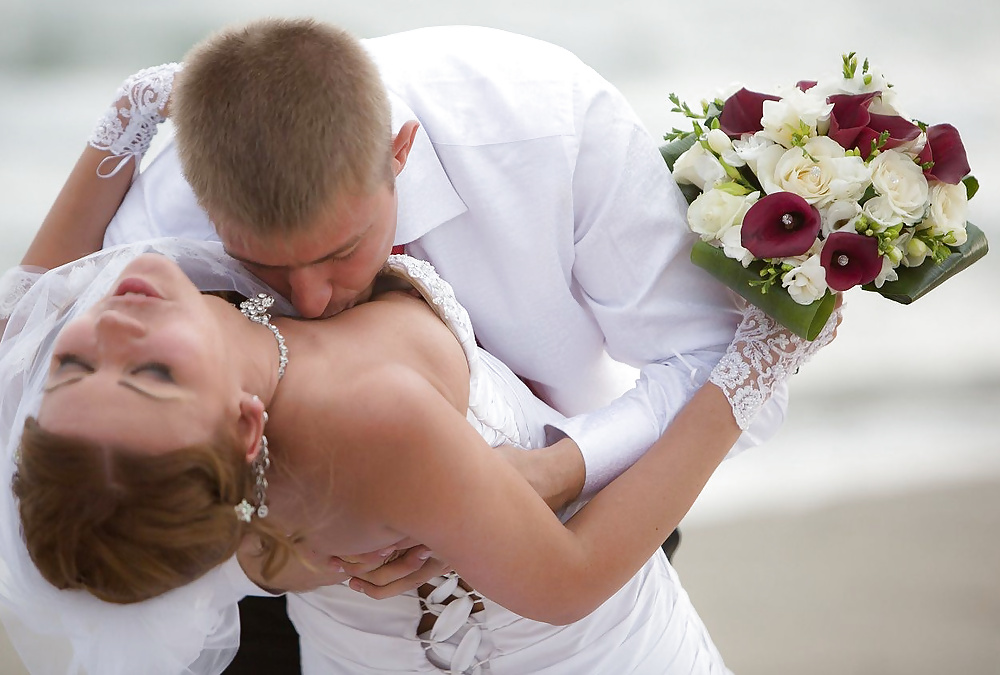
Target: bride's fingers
column 405, row 574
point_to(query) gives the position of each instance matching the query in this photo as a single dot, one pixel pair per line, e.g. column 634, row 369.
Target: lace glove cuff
column 762, row 355
column 128, row 126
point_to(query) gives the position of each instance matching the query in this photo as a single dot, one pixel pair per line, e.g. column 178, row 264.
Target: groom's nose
column 311, row 290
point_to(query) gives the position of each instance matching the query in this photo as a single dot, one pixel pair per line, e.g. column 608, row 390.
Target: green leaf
column 971, row 186
column 690, row 192
column 915, row 282
column 804, row 320
column 674, row 149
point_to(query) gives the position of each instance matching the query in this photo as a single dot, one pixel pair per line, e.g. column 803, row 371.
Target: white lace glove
column 128, row 126
column 762, row 355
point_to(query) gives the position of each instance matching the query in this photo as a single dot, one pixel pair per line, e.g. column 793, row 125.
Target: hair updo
column 127, row 526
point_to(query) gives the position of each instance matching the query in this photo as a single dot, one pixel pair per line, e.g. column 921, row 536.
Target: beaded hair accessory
column 255, row 309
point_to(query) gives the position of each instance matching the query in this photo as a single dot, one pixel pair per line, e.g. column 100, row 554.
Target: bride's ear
column 251, row 425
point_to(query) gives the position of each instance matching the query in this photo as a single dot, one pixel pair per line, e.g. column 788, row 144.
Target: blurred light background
column 865, row 538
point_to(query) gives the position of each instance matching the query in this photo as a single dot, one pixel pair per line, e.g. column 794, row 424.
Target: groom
column 522, row 175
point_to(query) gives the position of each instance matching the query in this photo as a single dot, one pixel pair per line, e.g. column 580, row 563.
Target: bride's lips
column 136, row 286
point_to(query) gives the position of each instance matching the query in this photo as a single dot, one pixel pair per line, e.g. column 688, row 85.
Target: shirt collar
column 426, row 196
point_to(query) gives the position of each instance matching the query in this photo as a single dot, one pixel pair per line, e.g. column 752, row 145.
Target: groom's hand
column 305, row 570
column 390, row 572
column 557, row 472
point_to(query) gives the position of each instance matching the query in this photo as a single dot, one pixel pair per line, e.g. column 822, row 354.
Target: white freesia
column 807, row 282
column 880, row 214
column 912, row 149
column 750, row 148
column 915, row 251
column 723, row 147
column 699, row 167
column 820, row 172
column 883, row 104
column 715, row 211
column 798, row 112
column 839, row 215
column 948, row 212
column 901, row 181
column 887, row 273
column 838, row 84
column 732, row 245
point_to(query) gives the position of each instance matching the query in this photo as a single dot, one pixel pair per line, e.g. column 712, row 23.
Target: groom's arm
column 632, row 271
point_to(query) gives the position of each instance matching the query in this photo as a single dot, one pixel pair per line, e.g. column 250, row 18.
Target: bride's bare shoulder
column 364, row 356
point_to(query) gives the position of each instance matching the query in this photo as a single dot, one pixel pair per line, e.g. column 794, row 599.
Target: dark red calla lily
column 944, row 148
column 850, row 259
column 741, row 112
column 849, row 117
column 805, row 85
column 853, row 126
column 780, row 225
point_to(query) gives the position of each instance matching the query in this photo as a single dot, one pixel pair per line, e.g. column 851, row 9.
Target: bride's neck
column 255, row 348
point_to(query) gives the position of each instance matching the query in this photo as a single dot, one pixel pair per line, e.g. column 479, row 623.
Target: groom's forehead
column 294, row 251
column 334, row 231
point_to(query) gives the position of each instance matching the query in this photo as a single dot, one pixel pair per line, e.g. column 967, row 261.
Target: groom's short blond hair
column 275, row 119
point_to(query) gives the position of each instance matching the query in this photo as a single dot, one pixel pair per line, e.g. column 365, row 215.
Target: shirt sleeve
column 632, row 268
column 160, row 203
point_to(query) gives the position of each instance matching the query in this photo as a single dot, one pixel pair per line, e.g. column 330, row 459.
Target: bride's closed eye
column 159, row 370
column 72, row 362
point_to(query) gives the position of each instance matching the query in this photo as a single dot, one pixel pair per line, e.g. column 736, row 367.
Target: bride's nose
column 115, row 323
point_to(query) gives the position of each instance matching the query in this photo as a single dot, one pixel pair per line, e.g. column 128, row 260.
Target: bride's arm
column 74, row 227
column 474, row 510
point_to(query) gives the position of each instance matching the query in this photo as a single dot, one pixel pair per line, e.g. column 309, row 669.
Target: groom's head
column 283, row 131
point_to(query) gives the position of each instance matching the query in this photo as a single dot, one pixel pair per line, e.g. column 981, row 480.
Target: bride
column 143, row 467
column 152, row 433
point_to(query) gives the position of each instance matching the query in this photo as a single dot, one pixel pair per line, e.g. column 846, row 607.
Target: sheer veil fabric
column 192, row 630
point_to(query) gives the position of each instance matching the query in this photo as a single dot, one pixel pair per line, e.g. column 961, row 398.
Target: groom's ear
column 251, row 425
column 401, row 145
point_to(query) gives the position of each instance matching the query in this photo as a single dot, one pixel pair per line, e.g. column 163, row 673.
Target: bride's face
column 146, row 367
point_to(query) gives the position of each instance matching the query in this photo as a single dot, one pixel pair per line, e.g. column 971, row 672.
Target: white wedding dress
column 648, row 627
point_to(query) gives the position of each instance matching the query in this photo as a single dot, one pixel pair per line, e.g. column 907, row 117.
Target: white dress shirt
column 535, row 191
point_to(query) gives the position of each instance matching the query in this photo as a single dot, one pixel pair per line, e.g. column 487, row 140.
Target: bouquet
column 822, row 188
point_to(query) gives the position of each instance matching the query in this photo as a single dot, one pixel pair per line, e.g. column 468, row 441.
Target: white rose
column 807, row 282
column 901, row 181
column 699, row 167
column 820, row 172
column 798, row 112
column 948, row 212
column 732, row 245
column 716, row 211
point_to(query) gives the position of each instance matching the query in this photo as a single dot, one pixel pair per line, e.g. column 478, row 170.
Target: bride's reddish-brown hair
column 127, row 526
